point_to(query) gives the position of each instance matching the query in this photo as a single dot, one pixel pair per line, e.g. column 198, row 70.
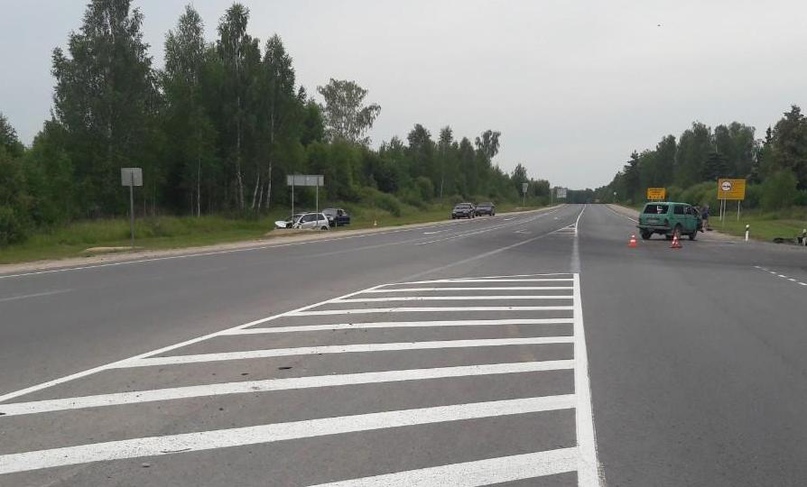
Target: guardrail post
column 747, row 232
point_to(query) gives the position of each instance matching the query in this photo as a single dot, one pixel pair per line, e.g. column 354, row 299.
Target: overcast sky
column 573, row 86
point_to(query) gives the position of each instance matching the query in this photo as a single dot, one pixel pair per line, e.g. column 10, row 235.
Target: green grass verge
column 166, row 232
column 762, row 227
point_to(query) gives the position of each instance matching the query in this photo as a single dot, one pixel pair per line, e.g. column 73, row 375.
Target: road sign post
column 730, row 190
column 131, row 177
column 306, row 180
column 524, row 187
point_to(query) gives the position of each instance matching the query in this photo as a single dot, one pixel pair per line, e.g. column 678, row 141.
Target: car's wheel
column 646, row 235
column 324, row 228
column 693, row 235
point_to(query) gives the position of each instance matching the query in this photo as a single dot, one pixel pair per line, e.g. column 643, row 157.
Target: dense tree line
column 775, row 167
column 217, row 129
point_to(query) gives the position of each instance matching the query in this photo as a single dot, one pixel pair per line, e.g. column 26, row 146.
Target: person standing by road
column 705, row 216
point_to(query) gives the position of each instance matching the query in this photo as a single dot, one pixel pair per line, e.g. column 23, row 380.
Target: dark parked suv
column 486, row 208
column 669, row 218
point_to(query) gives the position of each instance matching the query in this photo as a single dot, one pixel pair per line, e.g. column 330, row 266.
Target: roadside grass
column 763, row 227
column 169, row 232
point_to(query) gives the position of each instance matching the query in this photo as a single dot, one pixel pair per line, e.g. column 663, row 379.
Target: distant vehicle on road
column 463, row 210
column 669, row 218
column 486, row 208
column 337, row 217
column 305, row 221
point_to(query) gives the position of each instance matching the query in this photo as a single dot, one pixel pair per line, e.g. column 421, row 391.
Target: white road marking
column 434, row 309
column 449, row 298
column 774, row 273
column 254, row 435
column 508, row 219
column 588, row 474
column 439, row 289
column 269, row 385
column 478, row 280
column 337, row 349
column 35, row 295
column 433, row 233
column 398, row 324
column 472, row 474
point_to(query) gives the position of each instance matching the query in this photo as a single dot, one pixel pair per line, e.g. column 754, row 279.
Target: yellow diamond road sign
column 731, row 189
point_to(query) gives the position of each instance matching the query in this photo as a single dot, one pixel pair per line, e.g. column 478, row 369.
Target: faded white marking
column 35, row 295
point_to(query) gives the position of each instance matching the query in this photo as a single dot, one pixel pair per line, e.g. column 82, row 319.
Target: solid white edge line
column 253, row 435
column 477, row 473
column 588, row 472
column 112, row 365
column 287, row 384
column 399, row 324
column 338, row 349
column 433, row 309
column 526, row 297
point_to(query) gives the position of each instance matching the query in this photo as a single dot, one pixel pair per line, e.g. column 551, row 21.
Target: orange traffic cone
column 676, row 244
column 632, row 242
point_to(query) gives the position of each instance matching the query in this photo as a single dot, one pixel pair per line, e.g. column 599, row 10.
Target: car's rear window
column 655, row 209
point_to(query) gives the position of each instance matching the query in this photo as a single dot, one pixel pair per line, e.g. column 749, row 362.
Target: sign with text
column 524, row 187
column 561, row 193
column 131, row 176
column 731, row 189
column 656, row 194
column 305, row 180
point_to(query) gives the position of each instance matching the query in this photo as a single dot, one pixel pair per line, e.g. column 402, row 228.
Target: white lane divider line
column 588, row 473
column 254, row 435
column 338, row 349
column 518, row 297
column 398, row 324
column 270, row 385
column 471, row 474
column 434, row 309
column 776, row 274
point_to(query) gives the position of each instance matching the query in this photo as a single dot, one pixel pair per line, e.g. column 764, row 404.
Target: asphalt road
column 529, row 349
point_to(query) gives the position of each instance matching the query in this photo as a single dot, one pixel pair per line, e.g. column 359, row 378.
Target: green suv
column 669, row 218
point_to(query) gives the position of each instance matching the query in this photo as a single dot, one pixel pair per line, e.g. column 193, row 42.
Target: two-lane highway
column 528, row 349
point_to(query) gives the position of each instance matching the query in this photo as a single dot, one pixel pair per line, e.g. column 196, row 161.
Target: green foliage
column 387, row 202
column 779, row 190
column 106, row 99
column 346, row 116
